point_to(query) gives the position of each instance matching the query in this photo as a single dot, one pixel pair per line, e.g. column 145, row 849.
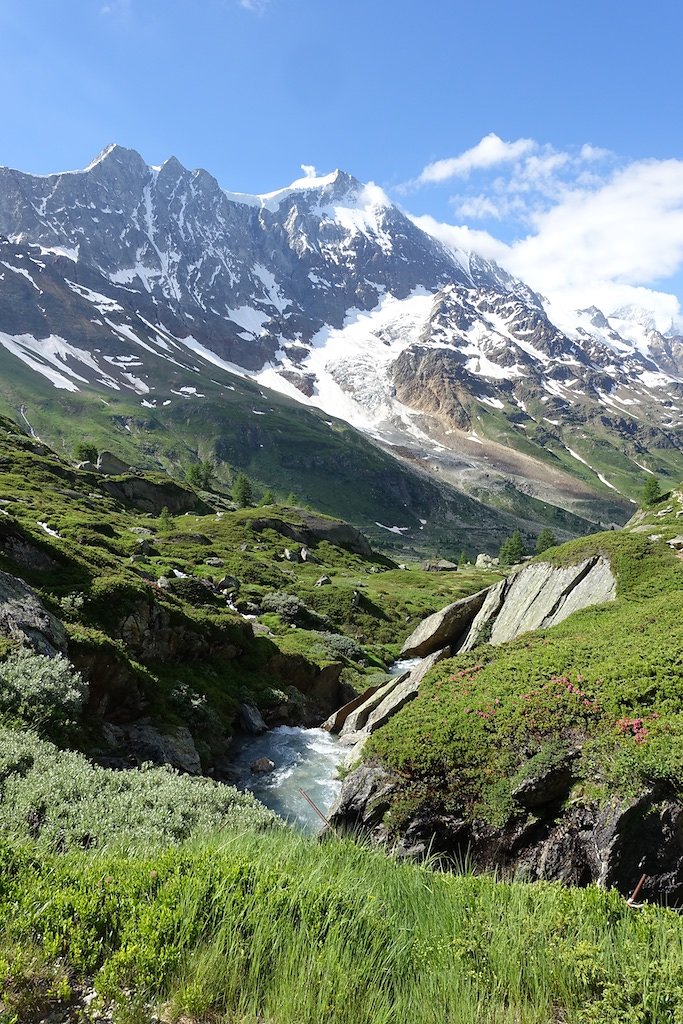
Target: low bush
column 343, row 646
column 40, row 693
column 60, row 800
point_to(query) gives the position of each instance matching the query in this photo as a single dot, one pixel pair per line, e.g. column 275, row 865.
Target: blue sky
column 577, row 96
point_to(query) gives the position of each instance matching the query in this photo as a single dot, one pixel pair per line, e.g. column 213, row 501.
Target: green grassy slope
column 609, row 677
column 277, row 928
column 101, row 568
column 178, row 899
column 282, row 445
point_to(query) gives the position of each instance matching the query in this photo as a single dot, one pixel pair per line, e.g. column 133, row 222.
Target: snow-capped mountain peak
column 324, row 290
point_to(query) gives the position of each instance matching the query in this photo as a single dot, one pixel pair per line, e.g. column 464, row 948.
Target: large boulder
column 355, row 721
column 312, row 528
column 365, row 797
column 24, row 617
column 440, row 565
column 444, row 627
column 251, row 720
column 144, row 743
column 540, row 596
column 110, row 464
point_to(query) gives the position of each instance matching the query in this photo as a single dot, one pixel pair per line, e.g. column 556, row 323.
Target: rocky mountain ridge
column 115, row 277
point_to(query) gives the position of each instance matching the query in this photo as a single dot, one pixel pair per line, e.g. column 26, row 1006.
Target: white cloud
column 619, row 237
column 490, row 152
column 116, row 8
column 309, row 170
column 258, row 6
column 459, row 236
column 602, row 236
column 479, row 207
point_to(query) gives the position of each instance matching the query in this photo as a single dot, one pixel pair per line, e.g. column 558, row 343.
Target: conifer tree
column 651, row 491
column 242, row 490
column 546, row 539
column 511, row 550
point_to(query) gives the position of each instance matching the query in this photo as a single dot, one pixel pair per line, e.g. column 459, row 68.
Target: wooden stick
column 316, row 808
column 636, row 892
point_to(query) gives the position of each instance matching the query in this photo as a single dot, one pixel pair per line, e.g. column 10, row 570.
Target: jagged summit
column 327, row 291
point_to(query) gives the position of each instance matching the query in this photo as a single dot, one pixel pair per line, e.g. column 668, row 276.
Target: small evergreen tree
column 546, row 539
column 511, row 550
column 464, row 558
column 651, row 491
column 165, row 519
column 268, row 498
column 200, row 474
column 84, row 451
column 242, row 490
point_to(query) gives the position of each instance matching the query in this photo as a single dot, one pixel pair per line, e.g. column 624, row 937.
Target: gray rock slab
column 110, row 464
column 444, row 627
column 357, row 719
column 403, row 693
column 539, row 596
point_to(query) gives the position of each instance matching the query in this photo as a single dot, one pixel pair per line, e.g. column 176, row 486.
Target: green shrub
column 85, row 452
column 190, row 589
column 511, row 550
column 44, row 694
column 114, row 597
column 343, row 646
column 292, row 610
column 651, row 491
column 60, row 800
column 200, row 474
column 243, row 490
column 546, row 539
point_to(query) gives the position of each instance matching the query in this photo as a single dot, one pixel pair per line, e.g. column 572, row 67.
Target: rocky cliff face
column 122, row 277
column 608, row 843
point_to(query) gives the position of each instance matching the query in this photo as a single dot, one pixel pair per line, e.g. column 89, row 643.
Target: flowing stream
column 304, row 759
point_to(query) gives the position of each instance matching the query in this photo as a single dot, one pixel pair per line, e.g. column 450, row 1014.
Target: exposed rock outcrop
column 610, row 843
column 110, row 464
column 24, row 617
column 314, row 528
column 144, row 743
column 539, row 596
column 444, row 627
column 151, row 634
column 357, row 722
column 251, row 720
column 152, row 496
column 541, row 840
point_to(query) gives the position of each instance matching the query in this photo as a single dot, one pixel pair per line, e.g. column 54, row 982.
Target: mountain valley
column 153, row 294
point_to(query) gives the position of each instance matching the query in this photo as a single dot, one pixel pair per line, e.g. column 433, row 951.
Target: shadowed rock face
column 443, row 627
column 24, row 616
column 610, row 844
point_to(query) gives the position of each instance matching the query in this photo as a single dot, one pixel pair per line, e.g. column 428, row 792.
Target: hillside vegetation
column 146, row 895
column 590, row 711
